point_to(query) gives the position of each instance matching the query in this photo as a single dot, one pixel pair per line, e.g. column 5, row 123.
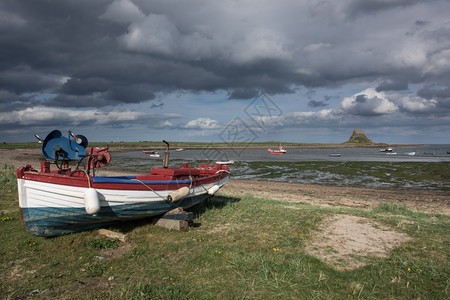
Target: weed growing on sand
column 8, row 180
column 104, row 243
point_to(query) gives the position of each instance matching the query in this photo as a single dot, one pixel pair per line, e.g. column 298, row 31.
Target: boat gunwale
column 121, row 182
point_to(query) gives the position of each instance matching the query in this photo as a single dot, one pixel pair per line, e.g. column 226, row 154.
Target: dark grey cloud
column 354, row 8
column 11, row 102
column 107, row 53
column 421, row 23
column 391, row 85
column 242, row 93
column 89, row 85
column 97, row 92
column 441, row 96
column 126, row 51
column 314, row 103
column 434, row 92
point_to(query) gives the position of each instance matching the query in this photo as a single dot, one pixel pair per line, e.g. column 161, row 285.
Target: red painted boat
column 149, row 151
column 277, row 151
column 70, row 199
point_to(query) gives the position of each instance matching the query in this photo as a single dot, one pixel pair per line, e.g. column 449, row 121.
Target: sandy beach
column 291, row 192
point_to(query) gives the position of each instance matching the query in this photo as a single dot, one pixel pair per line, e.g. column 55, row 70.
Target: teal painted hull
column 52, row 221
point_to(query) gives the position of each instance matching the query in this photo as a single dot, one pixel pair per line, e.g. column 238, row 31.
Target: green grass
column 360, row 140
column 236, row 248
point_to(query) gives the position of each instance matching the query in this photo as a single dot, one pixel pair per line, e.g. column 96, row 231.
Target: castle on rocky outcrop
column 358, row 137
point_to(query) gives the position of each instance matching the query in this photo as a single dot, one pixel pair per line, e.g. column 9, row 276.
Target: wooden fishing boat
column 66, row 199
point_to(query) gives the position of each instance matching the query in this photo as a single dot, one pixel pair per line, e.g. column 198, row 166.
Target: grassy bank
column 236, row 248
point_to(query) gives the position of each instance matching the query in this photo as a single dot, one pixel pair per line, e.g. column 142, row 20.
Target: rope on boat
column 89, row 180
column 140, row 181
column 190, row 185
column 191, row 179
column 220, row 171
column 203, row 186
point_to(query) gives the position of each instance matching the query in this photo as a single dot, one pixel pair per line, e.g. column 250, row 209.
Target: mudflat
column 438, row 202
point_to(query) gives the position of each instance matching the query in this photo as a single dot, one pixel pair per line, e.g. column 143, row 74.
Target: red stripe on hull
column 80, row 179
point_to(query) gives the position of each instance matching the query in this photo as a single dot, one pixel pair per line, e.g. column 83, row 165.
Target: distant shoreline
column 122, row 146
column 114, row 147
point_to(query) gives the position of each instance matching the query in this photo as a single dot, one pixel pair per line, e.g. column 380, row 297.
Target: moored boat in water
column 71, row 199
column 150, row 151
column 391, row 153
column 280, row 150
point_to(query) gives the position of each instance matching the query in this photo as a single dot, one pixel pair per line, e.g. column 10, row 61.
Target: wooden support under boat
column 175, row 219
column 114, row 235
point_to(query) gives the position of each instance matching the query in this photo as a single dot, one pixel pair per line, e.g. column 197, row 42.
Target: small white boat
column 154, row 155
column 228, row 162
column 411, row 153
column 391, row 153
column 386, row 150
column 334, row 155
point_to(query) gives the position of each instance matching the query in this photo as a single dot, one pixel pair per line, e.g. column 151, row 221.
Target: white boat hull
column 49, row 209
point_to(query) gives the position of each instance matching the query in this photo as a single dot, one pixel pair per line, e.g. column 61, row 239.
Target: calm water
column 362, row 167
column 427, row 153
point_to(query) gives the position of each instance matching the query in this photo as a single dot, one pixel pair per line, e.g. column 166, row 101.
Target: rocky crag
column 358, row 137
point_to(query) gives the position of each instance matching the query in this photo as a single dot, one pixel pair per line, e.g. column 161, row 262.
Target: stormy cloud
column 65, row 60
